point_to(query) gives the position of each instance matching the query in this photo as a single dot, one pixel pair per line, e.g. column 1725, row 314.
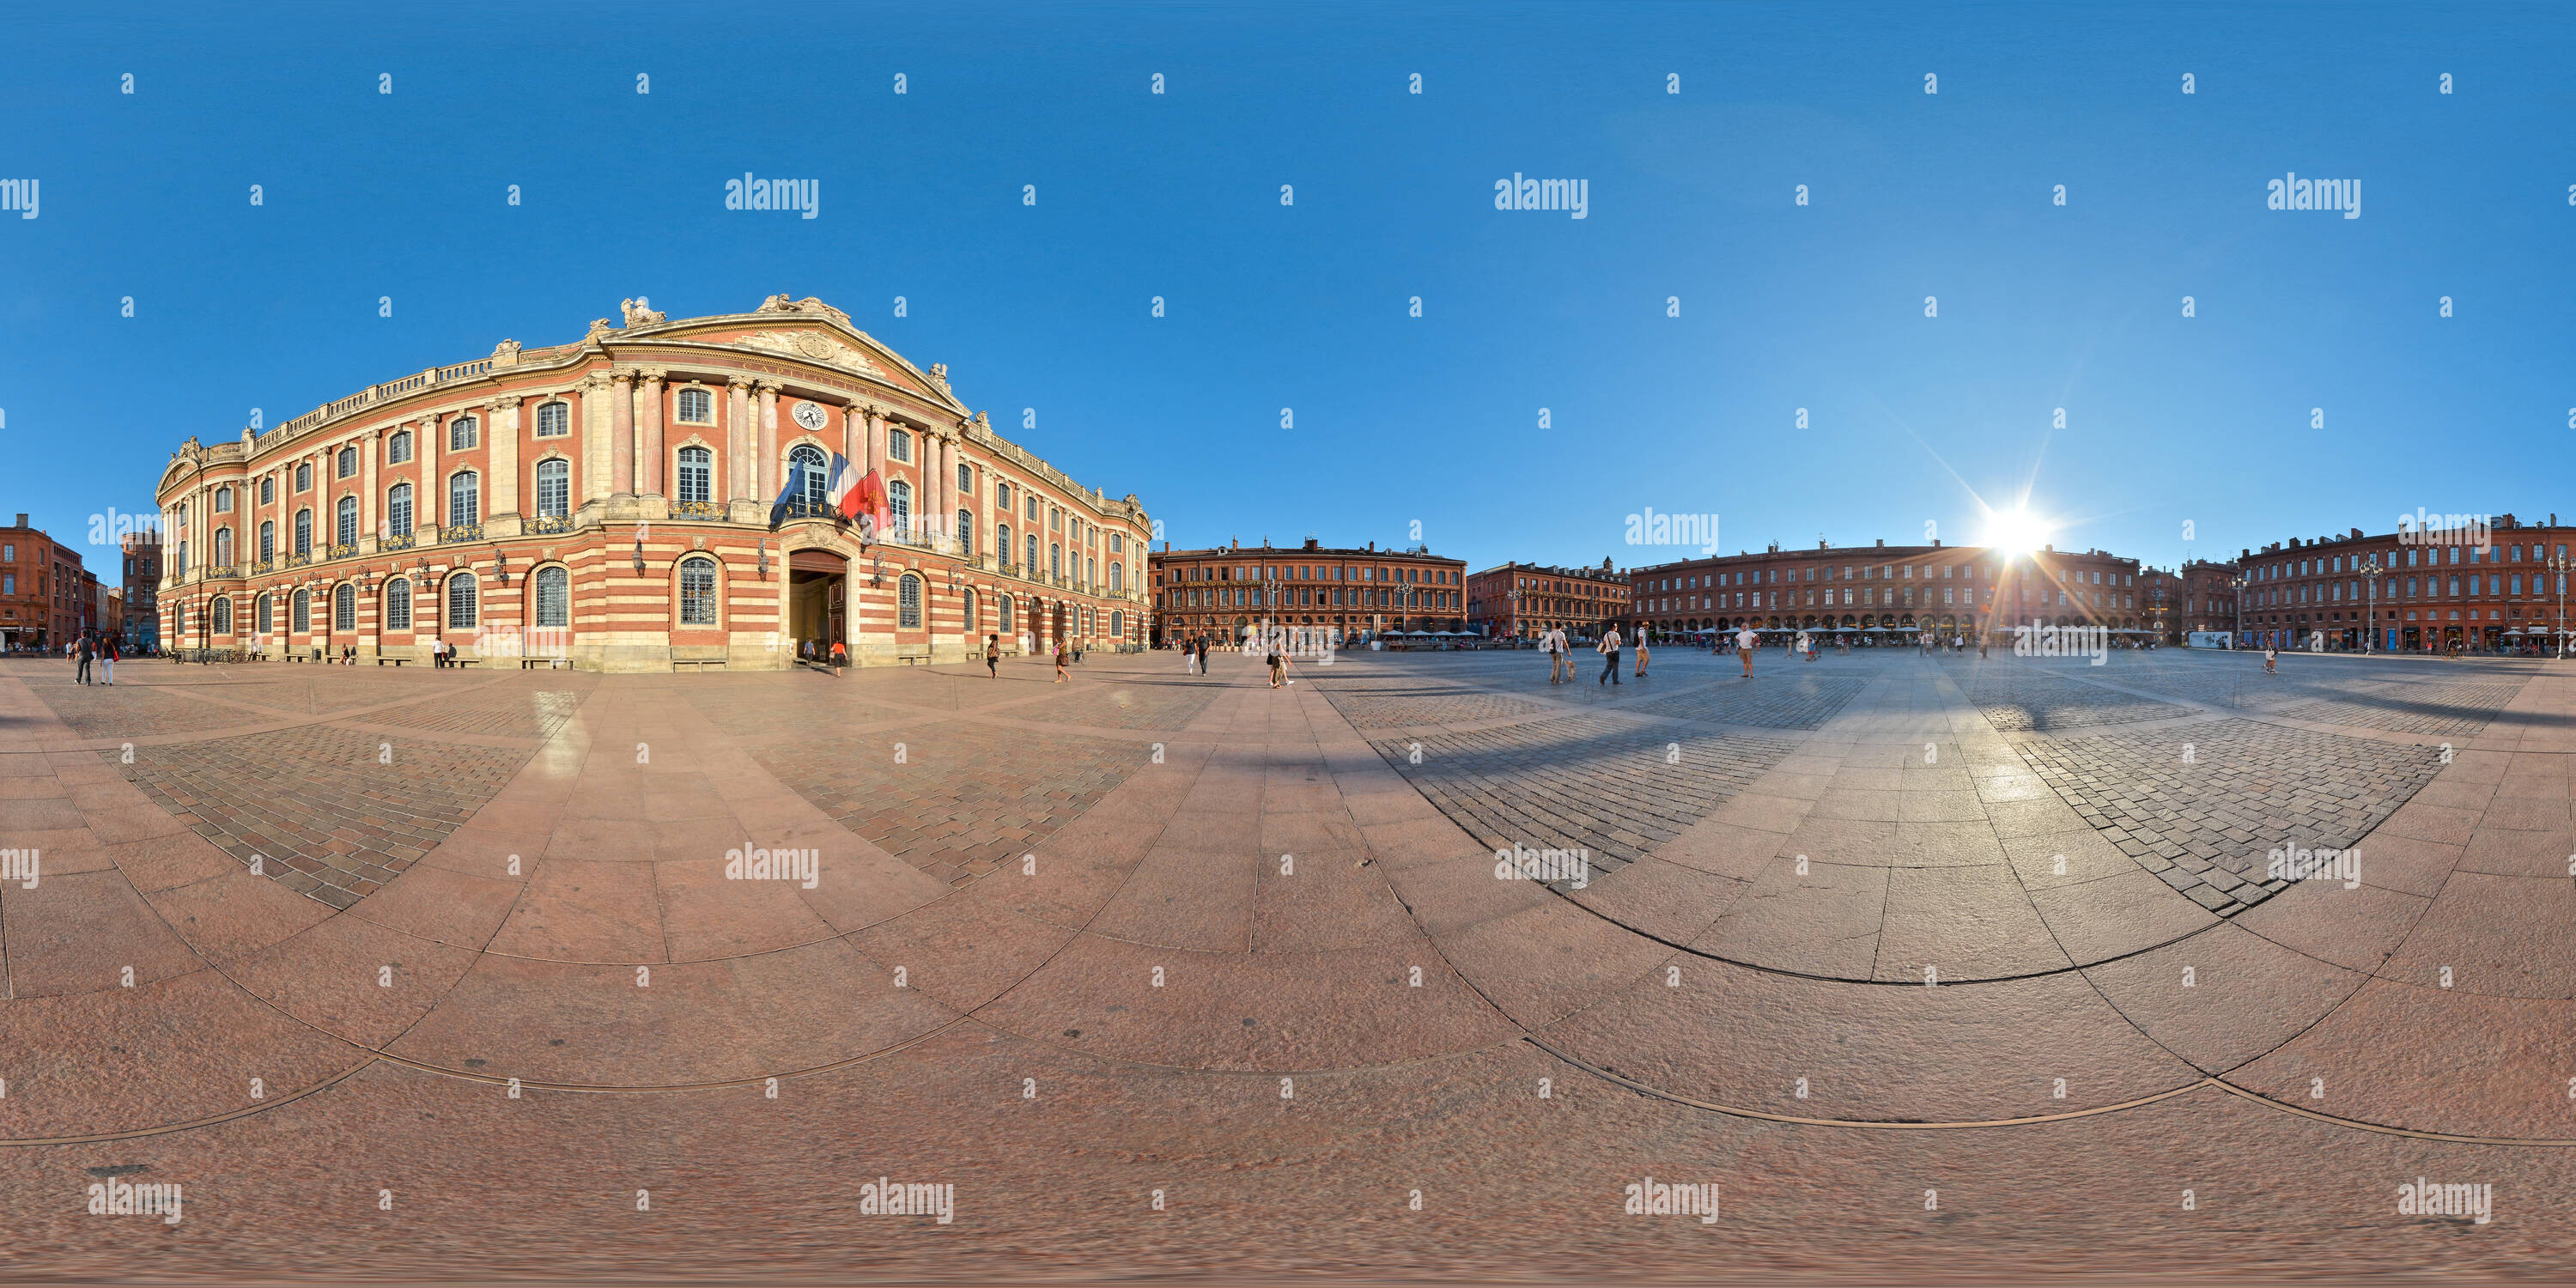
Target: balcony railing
column 345, row 550
column 702, row 510
column 545, row 523
column 404, row 542
column 263, row 568
column 457, row 532
column 298, row 561
column 222, row 572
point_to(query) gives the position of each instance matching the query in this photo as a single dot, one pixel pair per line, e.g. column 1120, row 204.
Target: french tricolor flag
column 844, row 489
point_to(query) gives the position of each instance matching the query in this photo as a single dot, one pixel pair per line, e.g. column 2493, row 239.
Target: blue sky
column 1398, row 420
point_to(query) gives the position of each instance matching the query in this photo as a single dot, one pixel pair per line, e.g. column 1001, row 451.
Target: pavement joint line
column 1868, row 1124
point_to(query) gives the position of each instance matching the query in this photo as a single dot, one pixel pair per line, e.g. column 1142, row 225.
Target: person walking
column 1609, row 647
column 992, row 657
column 1189, row 657
column 80, row 659
column 1278, row 664
column 1641, row 655
column 107, row 661
column 2271, row 659
column 1063, row 659
column 1745, row 640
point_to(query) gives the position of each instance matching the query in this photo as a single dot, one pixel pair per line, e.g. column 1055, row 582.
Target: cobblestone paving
column 519, row 714
column 2207, row 828
column 332, row 819
column 1393, row 706
column 2025, row 698
column 1591, row 782
column 320, row 689
column 967, row 798
column 1159, row 705
column 134, row 710
column 1775, row 701
column 2442, row 710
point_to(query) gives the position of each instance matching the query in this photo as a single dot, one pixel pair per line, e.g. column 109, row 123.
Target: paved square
column 1262, row 966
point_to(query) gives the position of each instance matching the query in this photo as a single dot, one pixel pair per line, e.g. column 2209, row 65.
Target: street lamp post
column 2559, row 565
column 2236, row 592
column 2372, row 567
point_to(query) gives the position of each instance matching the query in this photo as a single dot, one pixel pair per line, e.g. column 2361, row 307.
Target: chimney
column 22, row 520
column 1882, row 543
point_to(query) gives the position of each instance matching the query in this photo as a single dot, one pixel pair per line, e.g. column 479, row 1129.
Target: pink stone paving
column 1930, row 966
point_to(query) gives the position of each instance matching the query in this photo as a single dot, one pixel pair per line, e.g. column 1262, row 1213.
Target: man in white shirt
column 1609, row 647
column 1745, row 642
column 1560, row 664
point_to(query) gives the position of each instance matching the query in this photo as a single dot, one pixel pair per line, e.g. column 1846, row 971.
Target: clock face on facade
column 809, row 415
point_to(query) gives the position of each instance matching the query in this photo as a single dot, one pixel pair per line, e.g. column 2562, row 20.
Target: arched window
column 811, row 472
column 554, row 597
column 1002, row 496
column 304, row 476
column 965, row 479
column 347, row 527
column 908, row 603
column 965, row 534
column 898, row 444
column 554, row 419
column 461, row 602
column 223, row 615
column 348, row 462
column 303, row 533
column 178, row 621
column 267, row 542
column 899, row 505
column 300, row 615
column 398, row 448
column 398, row 510
column 1033, row 555
column 344, row 608
column 697, row 474
column 223, row 547
column 398, row 604
column 464, row 499
column 697, row 406
column 460, row 434
column 1118, row 623
column 969, row 611
column 1003, row 617
column 1117, row 579
column 697, row 591
column 1002, row 541
column 1055, row 559
column 267, row 490
column 266, row 613
column 554, row 488
column 223, row 500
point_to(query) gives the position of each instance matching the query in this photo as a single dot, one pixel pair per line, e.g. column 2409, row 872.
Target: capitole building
column 607, row 505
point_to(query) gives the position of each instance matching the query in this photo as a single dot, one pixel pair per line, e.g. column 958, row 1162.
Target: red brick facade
column 1219, row 593
column 609, row 502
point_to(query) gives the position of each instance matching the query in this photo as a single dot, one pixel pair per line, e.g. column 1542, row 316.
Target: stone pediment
column 815, row 346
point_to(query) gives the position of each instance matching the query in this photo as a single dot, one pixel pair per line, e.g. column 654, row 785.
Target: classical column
column 739, row 479
column 768, row 448
column 874, row 422
column 854, row 436
column 373, row 445
column 594, row 437
column 429, row 501
column 650, row 480
column 621, row 433
column 948, row 485
column 502, row 414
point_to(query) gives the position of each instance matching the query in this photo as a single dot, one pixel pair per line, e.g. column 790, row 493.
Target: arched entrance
column 818, row 601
